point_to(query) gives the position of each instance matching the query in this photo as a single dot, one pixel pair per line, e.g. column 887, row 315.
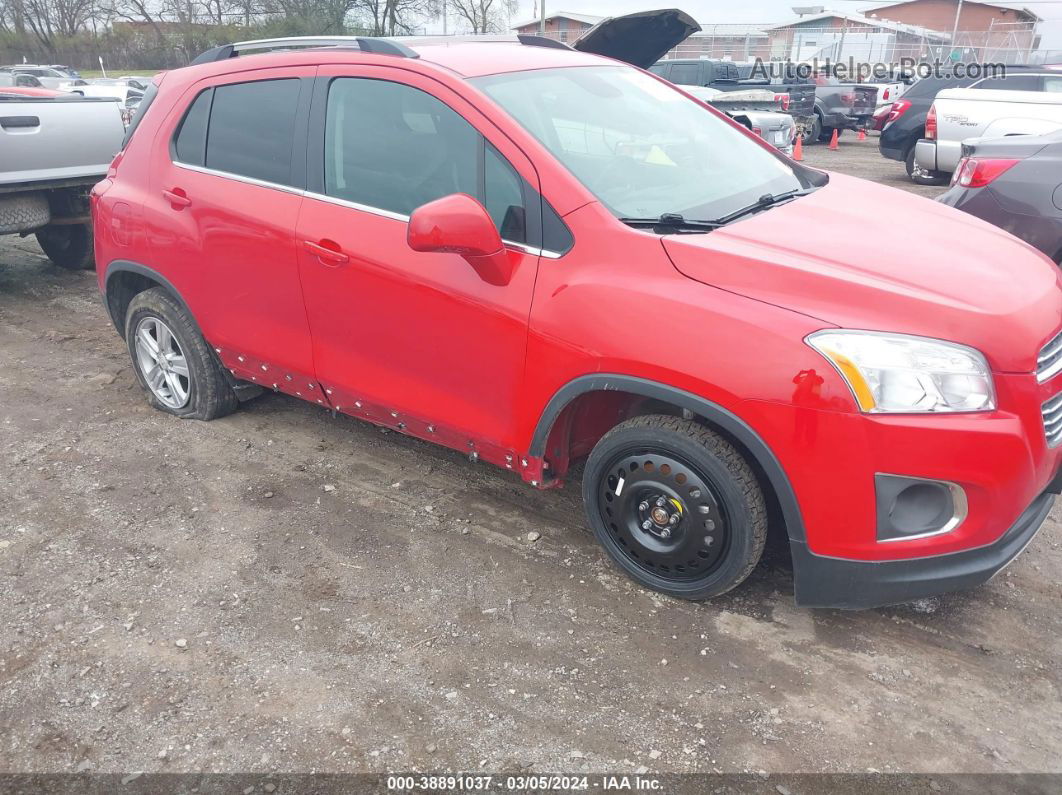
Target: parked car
column 904, row 123
column 537, row 257
column 1016, row 184
column 840, row 106
column 758, row 111
column 8, row 79
column 139, row 82
column 49, row 76
column 128, row 96
column 1019, row 103
column 44, row 181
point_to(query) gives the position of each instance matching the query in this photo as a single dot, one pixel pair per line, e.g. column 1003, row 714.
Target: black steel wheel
column 675, row 506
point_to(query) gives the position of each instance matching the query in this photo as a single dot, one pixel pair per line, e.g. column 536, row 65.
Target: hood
column 863, row 256
column 640, row 39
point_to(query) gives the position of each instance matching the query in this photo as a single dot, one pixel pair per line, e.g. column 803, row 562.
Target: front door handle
column 327, row 251
column 177, row 197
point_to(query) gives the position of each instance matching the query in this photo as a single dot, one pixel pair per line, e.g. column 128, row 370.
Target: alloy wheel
column 162, row 363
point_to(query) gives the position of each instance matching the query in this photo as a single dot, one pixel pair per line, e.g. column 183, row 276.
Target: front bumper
column 856, row 585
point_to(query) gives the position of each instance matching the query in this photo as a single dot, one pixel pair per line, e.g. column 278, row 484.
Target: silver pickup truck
column 53, row 149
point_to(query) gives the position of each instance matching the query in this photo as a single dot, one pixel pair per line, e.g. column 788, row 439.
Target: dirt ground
column 284, row 591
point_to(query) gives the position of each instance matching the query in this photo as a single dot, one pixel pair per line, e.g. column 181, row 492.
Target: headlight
column 902, row 373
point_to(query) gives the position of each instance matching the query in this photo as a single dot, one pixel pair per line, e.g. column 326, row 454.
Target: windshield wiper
column 762, row 203
column 672, row 222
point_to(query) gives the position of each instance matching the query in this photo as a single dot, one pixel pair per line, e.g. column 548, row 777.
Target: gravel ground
column 284, row 591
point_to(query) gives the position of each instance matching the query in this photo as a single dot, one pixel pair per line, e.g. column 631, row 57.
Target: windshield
column 640, row 146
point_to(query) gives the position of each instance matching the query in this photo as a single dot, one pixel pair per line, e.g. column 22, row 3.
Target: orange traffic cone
column 798, row 148
column 862, row 134
column 833, row 141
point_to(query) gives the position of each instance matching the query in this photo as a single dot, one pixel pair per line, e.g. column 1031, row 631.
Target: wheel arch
column 657, row 394
column 124, row 279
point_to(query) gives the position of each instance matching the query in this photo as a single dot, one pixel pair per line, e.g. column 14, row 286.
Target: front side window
column 251, row 129
column 643, row 148
column 393, row 147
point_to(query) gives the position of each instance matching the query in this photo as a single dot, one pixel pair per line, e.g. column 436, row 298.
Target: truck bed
column 57, row 138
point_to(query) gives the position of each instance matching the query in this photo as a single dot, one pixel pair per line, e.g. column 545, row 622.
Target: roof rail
column 531, row 40
column 363, row 43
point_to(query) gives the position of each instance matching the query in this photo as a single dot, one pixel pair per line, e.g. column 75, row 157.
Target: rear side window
column 685, row 74
column 1010, row 83
column 251, row 129
column 149, row 96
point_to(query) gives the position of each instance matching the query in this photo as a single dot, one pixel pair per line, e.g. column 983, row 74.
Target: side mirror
column 458, row 224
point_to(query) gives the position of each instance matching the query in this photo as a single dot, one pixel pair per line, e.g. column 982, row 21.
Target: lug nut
column 646, row 524
column 643, row 506
column 665, row 532
column 674, row 519
column 660, row 502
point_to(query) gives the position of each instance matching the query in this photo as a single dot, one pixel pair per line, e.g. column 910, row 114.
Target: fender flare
column 128, row 266
column 713, row 412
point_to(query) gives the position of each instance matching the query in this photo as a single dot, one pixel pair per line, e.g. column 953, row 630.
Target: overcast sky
column 763, row 11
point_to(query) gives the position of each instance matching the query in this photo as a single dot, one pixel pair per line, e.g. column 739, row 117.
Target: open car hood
column 640, row 39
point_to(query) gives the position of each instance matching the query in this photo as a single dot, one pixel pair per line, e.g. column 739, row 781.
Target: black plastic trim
column 714, row 413
column 858, row 585
column 534, row 40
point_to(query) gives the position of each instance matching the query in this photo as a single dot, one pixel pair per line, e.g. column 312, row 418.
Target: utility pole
column 542, row 19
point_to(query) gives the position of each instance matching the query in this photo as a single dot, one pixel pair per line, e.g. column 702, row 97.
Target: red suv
column 538, row 257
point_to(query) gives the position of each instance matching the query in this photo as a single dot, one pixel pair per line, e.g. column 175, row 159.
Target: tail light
column 784, row 99
column 848, row 99
column 976, row 172
column 757, row 131
column 880, row 116
column 885, row 94
column 899, row 107
column 931, row 122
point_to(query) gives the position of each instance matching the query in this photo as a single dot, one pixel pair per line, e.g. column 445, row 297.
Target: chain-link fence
column 888, row 42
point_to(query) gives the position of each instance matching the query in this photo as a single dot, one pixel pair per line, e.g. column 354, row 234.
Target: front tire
column 68, row 245
column 675, row 506
column 172, row 361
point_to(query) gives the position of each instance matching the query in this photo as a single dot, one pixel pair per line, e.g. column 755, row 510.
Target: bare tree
column 484, row 16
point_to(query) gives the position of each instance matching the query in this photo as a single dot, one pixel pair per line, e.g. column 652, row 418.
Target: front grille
column 1049, row 362
column 1052, row 411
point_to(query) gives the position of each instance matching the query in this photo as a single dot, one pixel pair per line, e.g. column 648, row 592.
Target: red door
column 414, row 340
column 221, row 212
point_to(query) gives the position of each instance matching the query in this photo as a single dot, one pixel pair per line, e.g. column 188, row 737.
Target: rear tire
column 675, row 506
column 813, row 132
column 172, row 361
column 68, row 245
column 919, row 176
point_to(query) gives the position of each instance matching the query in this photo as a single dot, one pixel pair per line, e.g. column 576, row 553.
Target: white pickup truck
column 1032, row 107
column 53, row 148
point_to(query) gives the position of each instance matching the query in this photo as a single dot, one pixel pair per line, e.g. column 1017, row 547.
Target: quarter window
column 190, row 144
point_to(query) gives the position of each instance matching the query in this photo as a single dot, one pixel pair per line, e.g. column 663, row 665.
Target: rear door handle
column 327, row 251
column 177, row 197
